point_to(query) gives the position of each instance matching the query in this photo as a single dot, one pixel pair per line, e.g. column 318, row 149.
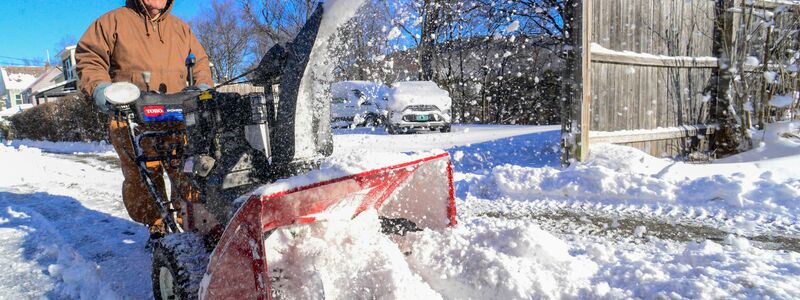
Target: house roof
column 66, row 51
column 19, row 78
column 46, row 80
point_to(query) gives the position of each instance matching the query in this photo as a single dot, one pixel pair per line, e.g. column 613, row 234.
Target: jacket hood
column 138, row 6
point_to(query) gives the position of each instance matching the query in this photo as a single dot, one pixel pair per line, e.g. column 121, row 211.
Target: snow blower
column 231, row 144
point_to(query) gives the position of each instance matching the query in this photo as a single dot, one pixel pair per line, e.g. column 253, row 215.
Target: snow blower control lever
column 191, row 60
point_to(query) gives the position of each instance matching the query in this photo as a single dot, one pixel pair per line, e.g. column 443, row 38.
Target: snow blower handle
column 191, row 60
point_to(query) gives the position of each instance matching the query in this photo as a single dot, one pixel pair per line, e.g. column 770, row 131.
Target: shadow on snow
column 55, row 223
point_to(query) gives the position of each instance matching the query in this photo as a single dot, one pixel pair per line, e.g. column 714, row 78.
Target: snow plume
column 319, row 72
column 394, row 33
column 513, row 27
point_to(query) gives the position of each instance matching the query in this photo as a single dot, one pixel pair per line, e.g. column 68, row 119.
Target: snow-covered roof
column 408, row 93
column 19, row 78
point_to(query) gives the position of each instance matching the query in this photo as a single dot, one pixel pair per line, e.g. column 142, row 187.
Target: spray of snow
column 513, row 27
column 319, row 73
column 394, row 34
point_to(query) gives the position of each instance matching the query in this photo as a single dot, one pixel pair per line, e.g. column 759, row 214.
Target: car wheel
column 446, row 128
column 390, row 129
column 370, row 121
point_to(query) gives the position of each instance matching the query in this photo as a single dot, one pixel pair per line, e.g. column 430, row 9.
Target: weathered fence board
column 651, row 64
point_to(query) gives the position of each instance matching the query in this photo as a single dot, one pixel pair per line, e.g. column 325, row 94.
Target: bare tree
column 764, row 57
column 224, row 37
column 275, row 21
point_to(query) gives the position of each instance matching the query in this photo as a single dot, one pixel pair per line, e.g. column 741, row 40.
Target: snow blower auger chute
column 231, row 144
column 408, row 197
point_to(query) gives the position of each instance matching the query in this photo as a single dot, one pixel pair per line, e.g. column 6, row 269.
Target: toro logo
column 154, row 111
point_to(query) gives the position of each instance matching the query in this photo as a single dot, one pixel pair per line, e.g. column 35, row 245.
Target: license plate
column 421, row 118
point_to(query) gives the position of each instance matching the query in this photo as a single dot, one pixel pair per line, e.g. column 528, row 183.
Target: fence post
column 724, row 140
column 576, row 100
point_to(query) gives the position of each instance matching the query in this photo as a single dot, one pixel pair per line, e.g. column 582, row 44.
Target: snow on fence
column 650, row 74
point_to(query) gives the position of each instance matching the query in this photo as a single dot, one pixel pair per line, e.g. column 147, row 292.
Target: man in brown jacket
column 121, row 46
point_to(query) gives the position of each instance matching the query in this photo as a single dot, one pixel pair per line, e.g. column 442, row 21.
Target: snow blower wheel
column 179, row 262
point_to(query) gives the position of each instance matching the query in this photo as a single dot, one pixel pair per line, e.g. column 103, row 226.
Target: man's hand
column 99, row 96
column 113, row 95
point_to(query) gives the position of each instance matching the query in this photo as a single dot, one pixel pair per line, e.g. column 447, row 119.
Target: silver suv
column 418, row 105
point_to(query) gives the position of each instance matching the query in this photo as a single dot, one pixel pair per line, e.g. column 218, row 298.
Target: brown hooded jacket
column 124, row 43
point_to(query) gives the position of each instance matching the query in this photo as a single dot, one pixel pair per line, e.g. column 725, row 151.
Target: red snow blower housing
column 232, row 144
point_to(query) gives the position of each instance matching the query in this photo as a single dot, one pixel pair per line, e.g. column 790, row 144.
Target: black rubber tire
column 185, row 258
column 446, row 128
column 370, row 121
column 390, row 129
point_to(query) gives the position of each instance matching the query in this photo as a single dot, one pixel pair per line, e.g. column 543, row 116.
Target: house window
column 18, row 97
column 67, row 69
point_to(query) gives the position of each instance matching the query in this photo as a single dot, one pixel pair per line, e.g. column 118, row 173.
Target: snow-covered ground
column 622, row 225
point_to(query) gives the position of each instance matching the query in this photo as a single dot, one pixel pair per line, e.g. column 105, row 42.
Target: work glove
column 110, row 96
column 99, row 96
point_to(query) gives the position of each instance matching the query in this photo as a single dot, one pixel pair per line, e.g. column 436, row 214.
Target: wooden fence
column 646, row 73
column 241, row 88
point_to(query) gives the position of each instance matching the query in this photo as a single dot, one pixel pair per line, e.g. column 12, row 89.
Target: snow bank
column 478, row 261
column 65, row 147
column 731, row 269
column 770, row 145
column 30, row 242
column 733, row 191
column 496, row 259
column 408, row 93
column 781, row 101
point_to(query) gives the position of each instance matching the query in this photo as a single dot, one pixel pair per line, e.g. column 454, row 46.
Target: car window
column 339, row 100
column 358, row 93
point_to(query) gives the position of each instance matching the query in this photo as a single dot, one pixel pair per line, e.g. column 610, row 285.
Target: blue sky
column 28, row 28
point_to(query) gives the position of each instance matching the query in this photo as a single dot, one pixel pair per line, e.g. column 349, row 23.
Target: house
column 55, row 84
column 13, row 81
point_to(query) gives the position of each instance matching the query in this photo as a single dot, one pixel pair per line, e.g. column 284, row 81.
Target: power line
column 15, row 64
column 15, row 58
